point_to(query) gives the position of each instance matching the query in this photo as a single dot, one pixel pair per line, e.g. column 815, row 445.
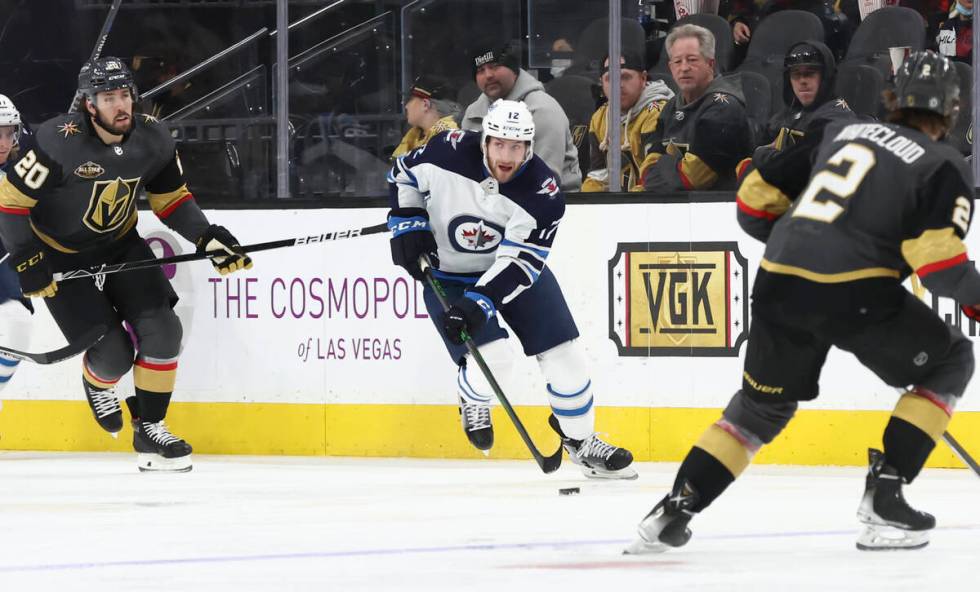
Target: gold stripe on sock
column 724, row 447
column 923, row 414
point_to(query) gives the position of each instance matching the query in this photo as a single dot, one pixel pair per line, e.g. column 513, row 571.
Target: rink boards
column 326, row 348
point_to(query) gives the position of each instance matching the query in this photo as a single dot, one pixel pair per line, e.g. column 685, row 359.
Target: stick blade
column 87, row 340
column 550, row 464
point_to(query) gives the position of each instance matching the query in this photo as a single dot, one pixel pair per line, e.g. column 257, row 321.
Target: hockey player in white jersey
column 485, row 210
column 15, row 310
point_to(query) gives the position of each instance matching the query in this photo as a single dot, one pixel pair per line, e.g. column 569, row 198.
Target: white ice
column 75, row 522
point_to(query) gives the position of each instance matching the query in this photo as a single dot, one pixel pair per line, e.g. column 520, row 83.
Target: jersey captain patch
column 111, row 204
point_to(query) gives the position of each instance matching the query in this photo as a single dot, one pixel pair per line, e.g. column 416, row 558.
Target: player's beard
column 112, row 128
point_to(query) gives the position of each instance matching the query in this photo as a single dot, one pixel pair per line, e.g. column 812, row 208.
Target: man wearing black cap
column 429, row 109
column 499, row 76
column 809, row 70
column 640, row 102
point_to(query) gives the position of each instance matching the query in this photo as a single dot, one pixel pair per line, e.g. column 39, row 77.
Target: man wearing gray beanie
column 499, row 76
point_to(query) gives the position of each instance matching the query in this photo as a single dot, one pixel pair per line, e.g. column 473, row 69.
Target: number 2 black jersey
column 73, row 192
column 883, row 200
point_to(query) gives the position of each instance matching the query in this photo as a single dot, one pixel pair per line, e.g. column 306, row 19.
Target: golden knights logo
column 678, row 299
column 111, row 204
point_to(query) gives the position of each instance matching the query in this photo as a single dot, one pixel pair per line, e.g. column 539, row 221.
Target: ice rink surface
column 71, row 522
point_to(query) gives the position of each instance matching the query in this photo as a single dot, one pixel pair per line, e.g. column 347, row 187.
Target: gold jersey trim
column 829, row 278
column 759, row 194
column 50, row 241
column 11, row 197
column 932, row 246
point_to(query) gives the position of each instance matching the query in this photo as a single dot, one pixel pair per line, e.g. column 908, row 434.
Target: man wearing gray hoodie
column 640, row 104
column 499, row 76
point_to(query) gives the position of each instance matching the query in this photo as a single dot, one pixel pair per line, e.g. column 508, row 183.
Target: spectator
column 808, row 88
column 429, row 110
column 640, row 102
column 745, row 16
column 955, row 37
column 703, row 132
column 499, row 76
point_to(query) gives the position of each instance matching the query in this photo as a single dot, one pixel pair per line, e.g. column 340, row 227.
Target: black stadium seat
column 577, row 97
column 758, row 100
column 891, row 26
column 860, row 85
column 961, row 136
column 770, row 42
column 593, row 45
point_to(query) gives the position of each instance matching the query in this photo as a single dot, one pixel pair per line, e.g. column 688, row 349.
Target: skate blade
column 642, row 546
column 154, row 463
column 877, row 537
column 624, row 474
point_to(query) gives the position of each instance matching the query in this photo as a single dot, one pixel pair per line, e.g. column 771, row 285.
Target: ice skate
column 597, row 459
column 476, row 424
column 666, row 525
column 159, row 450
column 105, row 407
column 889, row 522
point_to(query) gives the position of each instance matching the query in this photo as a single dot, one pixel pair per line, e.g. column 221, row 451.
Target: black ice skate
column 159, row 450
column 476, row 424
column 889, row 522
column 105, row 407
column 598, row 459
column 666, row 524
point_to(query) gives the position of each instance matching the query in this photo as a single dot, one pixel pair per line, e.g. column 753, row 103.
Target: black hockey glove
column 470, row 313
column 217, row 238
column 411, row 237
column 36, row 279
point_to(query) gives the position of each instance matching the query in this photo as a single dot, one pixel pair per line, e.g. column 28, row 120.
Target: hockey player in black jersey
column 882, row 201
column 69, row 202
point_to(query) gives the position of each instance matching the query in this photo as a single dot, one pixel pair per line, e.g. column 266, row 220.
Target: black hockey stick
column 90, row 338
column 99, row 44
column 961, row 452
column 548, row 464
column 288, row 242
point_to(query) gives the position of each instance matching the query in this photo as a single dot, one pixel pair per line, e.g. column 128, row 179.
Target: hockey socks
column 919, row 420
column 154, row 380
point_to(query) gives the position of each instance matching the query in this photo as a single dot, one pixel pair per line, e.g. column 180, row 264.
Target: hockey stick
column 99, row 44
column 548, row 464
column 288, row 242
column 961, row 452
column 87, row 340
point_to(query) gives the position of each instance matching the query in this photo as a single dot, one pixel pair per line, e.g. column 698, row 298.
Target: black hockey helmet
column 105, row 74
column 929, row 82
column 803, row 54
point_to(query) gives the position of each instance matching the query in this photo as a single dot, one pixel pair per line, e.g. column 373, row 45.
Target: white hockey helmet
column 9, row 115
column 510, row 120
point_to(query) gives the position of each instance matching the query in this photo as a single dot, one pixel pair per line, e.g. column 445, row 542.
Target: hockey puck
column 569, row 491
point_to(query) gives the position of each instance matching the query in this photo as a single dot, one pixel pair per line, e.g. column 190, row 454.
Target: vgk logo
column 678, row 299
column 111, row 204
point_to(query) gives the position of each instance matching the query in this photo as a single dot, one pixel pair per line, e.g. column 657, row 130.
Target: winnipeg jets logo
column 454, row 137
column 549, row 187
column 469, row 234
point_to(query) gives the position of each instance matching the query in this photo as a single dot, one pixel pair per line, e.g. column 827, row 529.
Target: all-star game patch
column 89, row 170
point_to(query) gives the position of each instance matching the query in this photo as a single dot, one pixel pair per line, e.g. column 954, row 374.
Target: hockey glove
column 411, row 237
column 36, row 279
column 972, row 311
column 217, row 238
column 470, row 313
